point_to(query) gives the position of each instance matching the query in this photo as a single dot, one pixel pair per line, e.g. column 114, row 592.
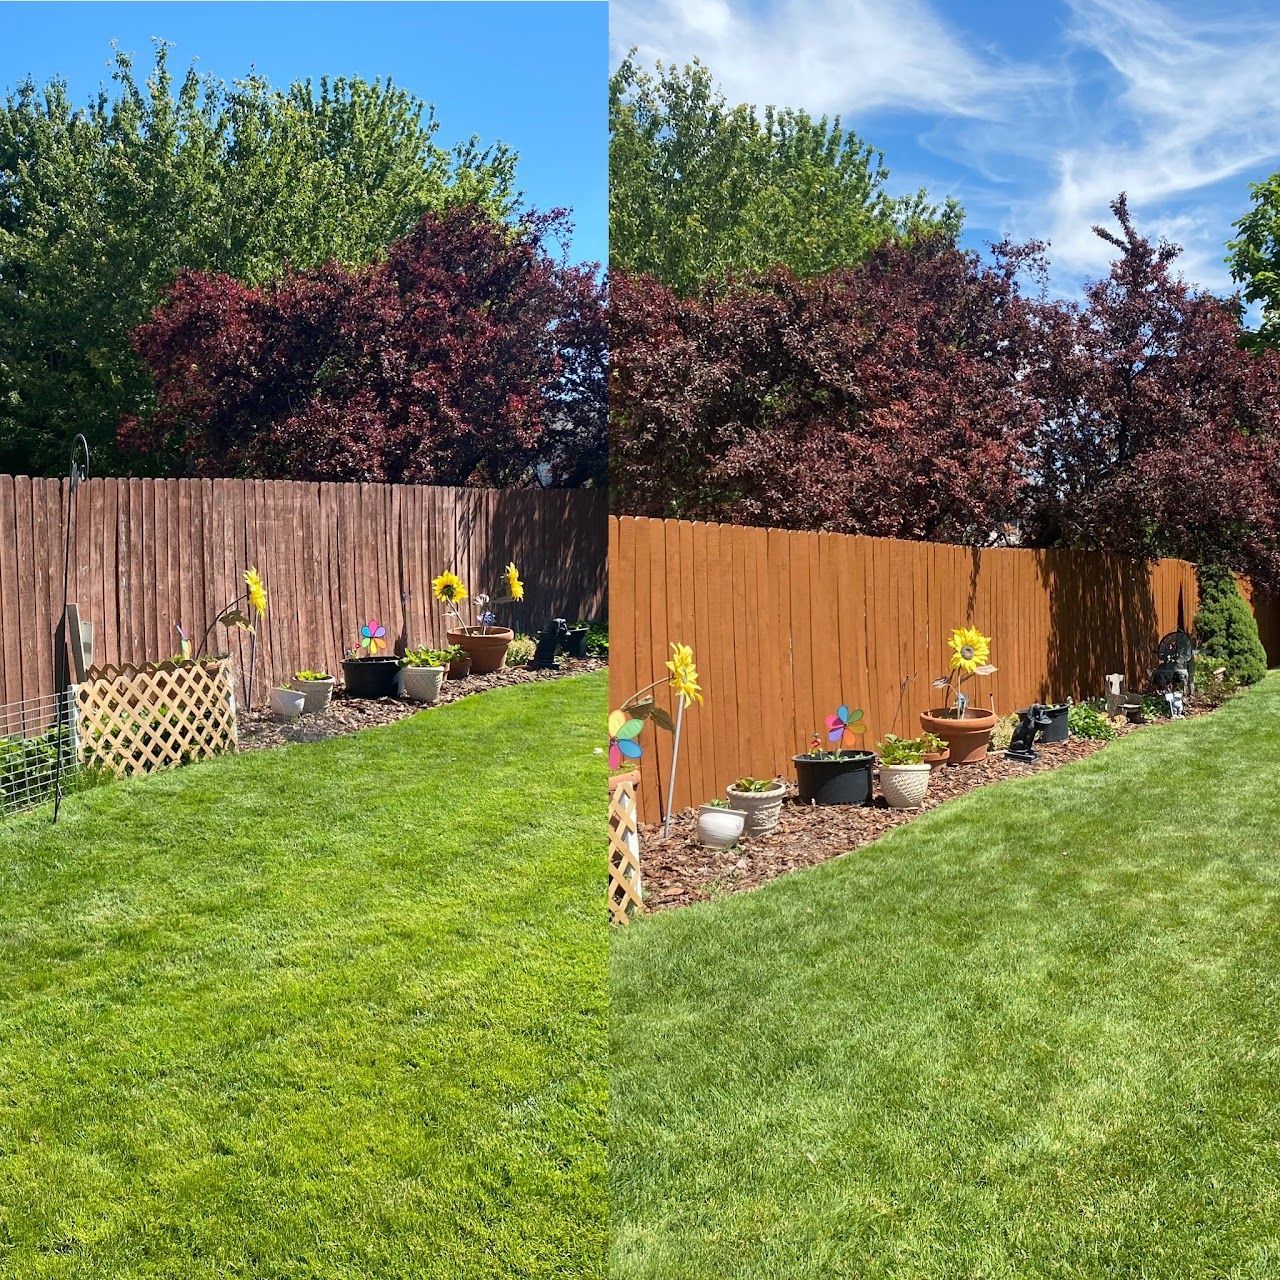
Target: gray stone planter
column 761, row 807
column 316, row 694
column 422, row 684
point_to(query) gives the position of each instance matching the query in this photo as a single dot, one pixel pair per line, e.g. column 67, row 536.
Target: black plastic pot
column 370, row 677
column 575, row 644
column 1056, row 729
column 844, row 780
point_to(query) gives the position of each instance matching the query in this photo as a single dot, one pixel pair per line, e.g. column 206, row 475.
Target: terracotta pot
column 966, row 737
column 935, row 759
column 459, row 668
column 486, row 647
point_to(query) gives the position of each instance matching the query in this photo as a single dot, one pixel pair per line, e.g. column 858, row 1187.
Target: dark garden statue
column 1031, row 721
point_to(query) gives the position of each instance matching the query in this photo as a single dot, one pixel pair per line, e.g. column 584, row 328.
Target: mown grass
column 335, row 1010
column 1034, row 1034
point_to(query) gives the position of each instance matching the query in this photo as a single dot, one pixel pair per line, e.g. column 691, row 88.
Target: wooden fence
column 148, row 554
column 786, row 626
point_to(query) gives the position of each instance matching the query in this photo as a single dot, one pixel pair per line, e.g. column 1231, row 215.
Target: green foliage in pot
column 1086, row 721
column 894, row 750
column 716, row 804
column 755, row 786
column 1225, row 626
column 427, row 657
column 521, row 649
column 312, row 675
column 597, row 638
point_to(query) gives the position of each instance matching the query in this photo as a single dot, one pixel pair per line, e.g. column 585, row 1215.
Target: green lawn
column 333, row 1011
column 1034, row 1034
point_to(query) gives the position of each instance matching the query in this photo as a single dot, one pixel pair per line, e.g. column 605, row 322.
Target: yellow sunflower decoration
column 449, row 588
column 515, row 588
column 684, row 675
column 257, row 592
column 970, row 649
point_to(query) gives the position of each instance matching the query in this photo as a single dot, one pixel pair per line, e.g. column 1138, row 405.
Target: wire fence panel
column 38, row 750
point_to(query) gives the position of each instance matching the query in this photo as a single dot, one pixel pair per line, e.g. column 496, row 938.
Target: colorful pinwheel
column 844, row 721
column 622, row 738
column 371, row 637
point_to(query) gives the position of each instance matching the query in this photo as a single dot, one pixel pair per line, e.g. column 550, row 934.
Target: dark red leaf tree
column 882, row 399
column 1159, row 432
column 468, row 355
column 930, row 394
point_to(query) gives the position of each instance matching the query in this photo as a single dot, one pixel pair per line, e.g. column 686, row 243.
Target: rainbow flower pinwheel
column 623, row 733
column 372, row 637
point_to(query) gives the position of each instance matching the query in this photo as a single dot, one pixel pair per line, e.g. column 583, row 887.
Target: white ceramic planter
column 422, row 684
column 761, row 807
column 719, row 828
column 316, row 694
column 904, row 785
column 287, row 704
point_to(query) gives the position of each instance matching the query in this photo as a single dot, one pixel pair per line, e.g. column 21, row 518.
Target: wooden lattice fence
column 140, row 719
column 626, row 897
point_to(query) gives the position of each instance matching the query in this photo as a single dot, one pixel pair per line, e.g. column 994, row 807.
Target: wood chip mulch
column 678, row 871
column 259, row 729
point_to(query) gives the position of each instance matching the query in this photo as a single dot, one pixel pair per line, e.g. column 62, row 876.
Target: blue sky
column 1034, row 113
column 532, row 75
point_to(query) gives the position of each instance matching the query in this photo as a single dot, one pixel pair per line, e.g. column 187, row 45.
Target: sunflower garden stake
column 483, row 640
column 965, row 731
column 625, row 725
column 233, row 616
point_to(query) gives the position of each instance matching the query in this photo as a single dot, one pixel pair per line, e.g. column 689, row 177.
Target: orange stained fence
column 785, row 626
column 148, row 554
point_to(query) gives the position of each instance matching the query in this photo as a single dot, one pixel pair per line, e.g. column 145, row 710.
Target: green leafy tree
column 1255, row 259
column 104, row 204
column 1225, row 627
column 699, row 188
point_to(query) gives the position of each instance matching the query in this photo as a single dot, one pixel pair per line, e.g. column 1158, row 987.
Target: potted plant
column 287, row 703
column 484, row 641
column 316, row 688
column 836, row 774
column 575, row 644
column 457, row 662
column 719, row 826
column 966, row 730
column 1056, row 729
column 422, row 673
column 760, row 799
column 904, row 770
column 365, row 674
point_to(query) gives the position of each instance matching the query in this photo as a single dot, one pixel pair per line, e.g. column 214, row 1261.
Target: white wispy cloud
column 829, row 56
column 1176, row 102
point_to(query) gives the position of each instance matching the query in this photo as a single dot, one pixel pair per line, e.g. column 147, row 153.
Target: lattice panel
column 625, row 895
column 139, row 719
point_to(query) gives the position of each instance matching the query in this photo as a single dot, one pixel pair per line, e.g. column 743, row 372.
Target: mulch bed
column 678, row 871
column 260, row 729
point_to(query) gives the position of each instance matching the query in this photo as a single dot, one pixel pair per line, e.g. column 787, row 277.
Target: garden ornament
column 1115, row 693
column 1174, row 700
column 1030, row 722
column 555, row 635
column 77, row 472
column 1176, row 652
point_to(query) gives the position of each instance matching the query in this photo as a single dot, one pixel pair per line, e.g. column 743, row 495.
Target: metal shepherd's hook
column 78, row 471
